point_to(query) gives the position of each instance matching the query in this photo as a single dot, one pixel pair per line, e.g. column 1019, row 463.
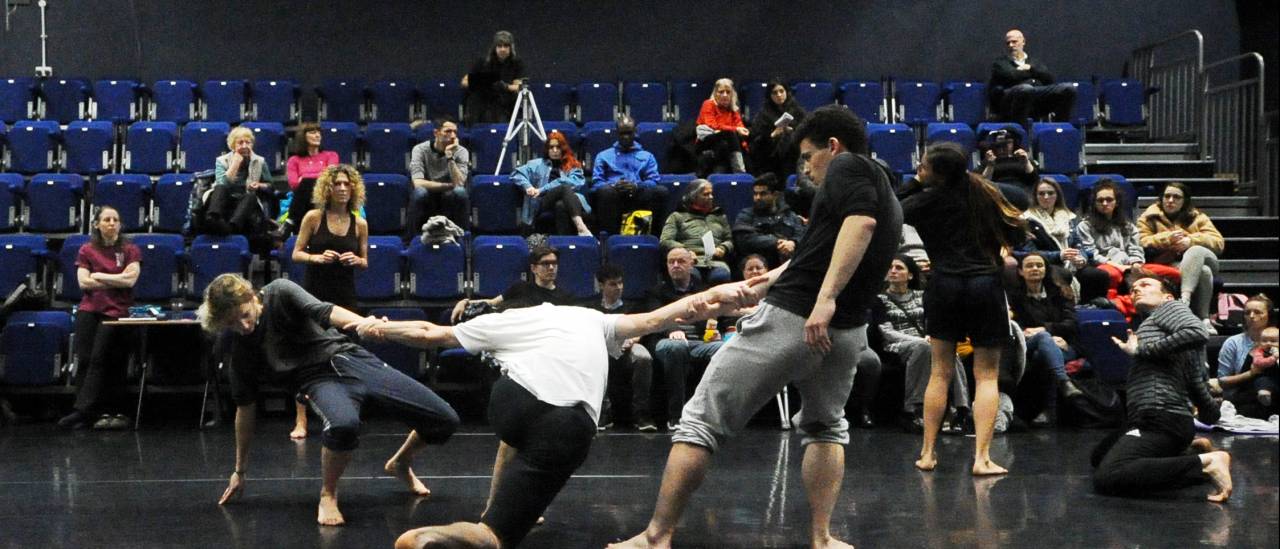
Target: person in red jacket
column 721, row 134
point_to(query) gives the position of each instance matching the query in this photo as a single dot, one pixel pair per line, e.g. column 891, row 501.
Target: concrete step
column 1200, row 186
column 1247, row 225
column 1153, row 168
column 1142, row 151
column 1256, row 271
column 1251, row 247
column 1272, row 289
column 1216, row 206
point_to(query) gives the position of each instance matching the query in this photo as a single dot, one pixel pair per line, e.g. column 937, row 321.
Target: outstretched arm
column 717, row 301
column 414, row 333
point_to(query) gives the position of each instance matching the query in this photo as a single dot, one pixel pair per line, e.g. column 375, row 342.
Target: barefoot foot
column 329, row 515
column 927, row 462
column 640, row 541
column 299, row 432
column 830, row 543
column 987, row 467
column 403, row 472
column 1202, row 445
column 1219, row 471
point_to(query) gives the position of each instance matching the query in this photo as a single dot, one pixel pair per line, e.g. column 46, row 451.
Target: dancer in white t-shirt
column 555, row 364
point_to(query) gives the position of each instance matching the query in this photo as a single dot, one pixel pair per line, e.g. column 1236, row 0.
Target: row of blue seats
column 483, row 266
column 350, row 100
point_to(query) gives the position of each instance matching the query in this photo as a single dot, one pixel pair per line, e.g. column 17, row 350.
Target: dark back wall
column 571, row 41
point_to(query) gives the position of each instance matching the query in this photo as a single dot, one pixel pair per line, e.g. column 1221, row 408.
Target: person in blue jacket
column 624, row 179
column 551, row 184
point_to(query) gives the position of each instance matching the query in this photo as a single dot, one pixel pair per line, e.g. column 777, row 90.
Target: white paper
column 783, row 120
column 708, row 246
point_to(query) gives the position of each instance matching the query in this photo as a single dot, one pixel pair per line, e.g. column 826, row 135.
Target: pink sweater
column 308, row 166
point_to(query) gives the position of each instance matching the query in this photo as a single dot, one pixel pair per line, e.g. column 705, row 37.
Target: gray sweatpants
column 768, row 353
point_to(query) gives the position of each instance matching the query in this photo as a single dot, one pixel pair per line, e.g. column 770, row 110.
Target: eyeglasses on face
column 1104, row 200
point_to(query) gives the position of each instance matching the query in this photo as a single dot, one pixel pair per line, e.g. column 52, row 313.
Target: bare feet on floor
column 454, row 536
column 299, row 432
column 640, row 541
column 403, row 472
column 1219, row 471
column 927, row 462
column 830, row 543
column 329, row 515
column 1202, row 445
column 987, row 467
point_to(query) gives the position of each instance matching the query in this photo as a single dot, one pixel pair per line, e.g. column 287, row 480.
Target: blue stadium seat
column 393, row 101
column 341, row 100
column 275, row 100
column 813, row 94
column 677, row 185
column 570, row 131
column 342, row 138
column 17, row 99
column 751, row 97
column 1124, row 102
column 442, row 97
column 150, row 147
column 1109, row 362
column 1085, row 111
column 687, row 97
column 171, row 202
column 579, row 261
column 88, row 145
column 66, row 285
column 485, row 144
column 381, row 281
column 4, row 138
column 732, row 192
column 290, row 270
column 386, row 202
column 224, row 101
column 387, row 146
column 953, row 132
column 657, row 138
column 596, row 137
column 11, row 187
column 1070, row 191
column 53, row 203
column 66, row 99
column 269, row 142
column 202, row 143
column 436, row 271
column 409, row 360
column 555, row 100
column 211, row 256
column 1059, row 147
column 597, row 101
column 640, row 259
column 966, row 102
column 1086, row 314
column 423, row 132
column 173, row 101
column 36, row 345
column 33, row 146
column 129, row 194
column 495, row 204
column 646, row 101
column 20, row 256
column 919, row 101
column 161, row 260
column 497, row 262
column 116, row 100
column 1086, row 182
column 866, row 99
column 895, row 144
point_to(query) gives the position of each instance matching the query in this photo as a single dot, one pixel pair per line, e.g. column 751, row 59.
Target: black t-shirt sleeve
column 851, row 187
column 245, row 371
column 514, row 293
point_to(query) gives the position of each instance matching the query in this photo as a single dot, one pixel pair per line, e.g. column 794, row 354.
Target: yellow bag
column 637, row 222
column 964, row 349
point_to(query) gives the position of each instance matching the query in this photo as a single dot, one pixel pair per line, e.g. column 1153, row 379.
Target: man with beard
column 770, row 228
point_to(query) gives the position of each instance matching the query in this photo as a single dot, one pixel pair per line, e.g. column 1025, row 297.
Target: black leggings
column 1147, row 455
column 564, row 204
column 99, row 381
column 550, row 442
column 300, row 204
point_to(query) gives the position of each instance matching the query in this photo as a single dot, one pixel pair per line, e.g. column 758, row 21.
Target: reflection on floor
column 158, row 488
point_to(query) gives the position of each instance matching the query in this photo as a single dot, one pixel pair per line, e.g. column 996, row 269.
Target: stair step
column 1272, row 289
column 1251, row 225
column 1142, row 148
column 1250, row 277
column 1216, row 206
column 1251, row 247
column 1200, row 186
column 1154, row 168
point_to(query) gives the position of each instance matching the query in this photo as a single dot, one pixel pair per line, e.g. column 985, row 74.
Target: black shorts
column 956, row 307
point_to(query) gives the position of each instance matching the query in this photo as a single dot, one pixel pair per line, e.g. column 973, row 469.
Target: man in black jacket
column 1022, row 87
column 770, row 228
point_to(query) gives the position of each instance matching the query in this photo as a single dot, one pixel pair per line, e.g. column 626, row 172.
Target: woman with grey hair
column 698, row 216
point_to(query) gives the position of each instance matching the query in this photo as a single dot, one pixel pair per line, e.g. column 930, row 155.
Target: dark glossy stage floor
column 158, row 488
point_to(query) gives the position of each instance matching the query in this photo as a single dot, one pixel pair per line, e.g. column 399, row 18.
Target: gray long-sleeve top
column 1167, row 369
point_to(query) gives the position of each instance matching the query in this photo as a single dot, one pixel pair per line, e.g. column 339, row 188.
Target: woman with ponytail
column 965, row 224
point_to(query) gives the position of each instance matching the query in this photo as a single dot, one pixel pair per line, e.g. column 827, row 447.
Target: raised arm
column 717, row 301
column 414, row 333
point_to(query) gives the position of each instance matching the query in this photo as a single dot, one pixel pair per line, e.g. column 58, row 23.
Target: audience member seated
column 900, row 319
column 493, row 81
column 439, row 169
column 721, row 134
column 243, row 195
column 630, row 375
column 1048, row 322
column 686, row 228
column 676, row 351
column 552, row 184
column 1022, row 87
column 1109, row 239
column 772, row 150
column 304, row 166
column 107, row 267
column 544, row 263
column 1175, row 233
column 1006, row 163
column 624, row 179
column 769, row 228
column 1241, row 376
column 1053, row 235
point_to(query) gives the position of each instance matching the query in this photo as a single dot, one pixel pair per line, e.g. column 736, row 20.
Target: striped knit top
column 1167, row 369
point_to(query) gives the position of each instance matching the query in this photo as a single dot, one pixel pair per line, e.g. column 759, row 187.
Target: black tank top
column 332, row 282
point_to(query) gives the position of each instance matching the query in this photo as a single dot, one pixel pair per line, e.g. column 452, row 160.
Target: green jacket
column 685, row 229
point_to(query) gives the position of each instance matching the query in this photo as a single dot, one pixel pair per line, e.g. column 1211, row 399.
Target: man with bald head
column 625, row 178
column 1022, row 87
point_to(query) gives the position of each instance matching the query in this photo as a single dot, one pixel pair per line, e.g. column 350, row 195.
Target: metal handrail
column 1234, row 125
column 1175, row 110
